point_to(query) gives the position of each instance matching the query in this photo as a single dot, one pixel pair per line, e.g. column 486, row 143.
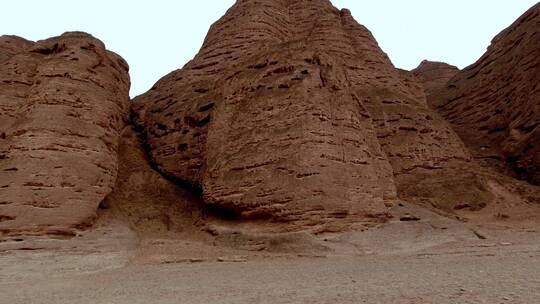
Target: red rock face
column 494, row 104
column 62, row 104
column 434, row 76
column 12, row 45
column 291, row 111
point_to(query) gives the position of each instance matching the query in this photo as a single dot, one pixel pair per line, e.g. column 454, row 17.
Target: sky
column 159, row 36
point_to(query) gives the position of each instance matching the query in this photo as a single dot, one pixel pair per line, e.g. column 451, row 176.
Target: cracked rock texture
column 434, row 76
column 494, row 104
column 292, row 112
column 63, row 102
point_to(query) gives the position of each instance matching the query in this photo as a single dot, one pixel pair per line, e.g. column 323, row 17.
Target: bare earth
column 434, row 260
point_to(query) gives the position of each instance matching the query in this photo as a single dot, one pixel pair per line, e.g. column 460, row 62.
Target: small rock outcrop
column 494, row 104
column 434, row 76
column 292, row 112
column 63, row 102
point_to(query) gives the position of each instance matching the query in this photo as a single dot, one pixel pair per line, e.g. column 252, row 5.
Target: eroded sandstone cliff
column 63, row 102
column 292, row 112
column 494, row 104
column 434, row 76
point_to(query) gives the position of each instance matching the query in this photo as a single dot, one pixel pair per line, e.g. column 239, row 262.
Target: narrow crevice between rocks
column 194, row 188
column 207, row 210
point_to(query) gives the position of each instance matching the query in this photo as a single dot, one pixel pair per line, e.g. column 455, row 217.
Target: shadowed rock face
column 291, row 111
column 494, row 104
column 434, row 76
column 63, row 102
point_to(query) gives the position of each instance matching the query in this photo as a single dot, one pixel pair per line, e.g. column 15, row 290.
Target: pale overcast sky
column 158, row 36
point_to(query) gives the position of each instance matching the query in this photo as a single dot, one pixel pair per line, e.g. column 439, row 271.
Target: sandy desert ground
column 433, row 260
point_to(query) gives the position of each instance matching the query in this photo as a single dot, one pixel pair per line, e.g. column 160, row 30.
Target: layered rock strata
column 434, row 76
column 292, row 112
column 494, row 104
column 63, row 102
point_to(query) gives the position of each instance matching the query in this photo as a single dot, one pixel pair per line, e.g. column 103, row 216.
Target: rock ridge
column 494, row 104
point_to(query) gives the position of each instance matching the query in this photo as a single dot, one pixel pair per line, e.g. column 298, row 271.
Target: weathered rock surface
column 63, row 102
column 151, row 204
column 12, row 45
column 292, row 112
column 494, row 104
column 289, row 113
column 434, row 76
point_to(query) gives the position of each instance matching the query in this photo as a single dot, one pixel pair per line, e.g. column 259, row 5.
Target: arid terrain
column 288, row 162
column 434, row 260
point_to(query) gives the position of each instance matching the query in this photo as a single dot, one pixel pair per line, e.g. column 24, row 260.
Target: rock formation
column 289, row 114
column 292, row 112
column 63, row 102
column 494, row 104
column 434, row 76
column 12, row 45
